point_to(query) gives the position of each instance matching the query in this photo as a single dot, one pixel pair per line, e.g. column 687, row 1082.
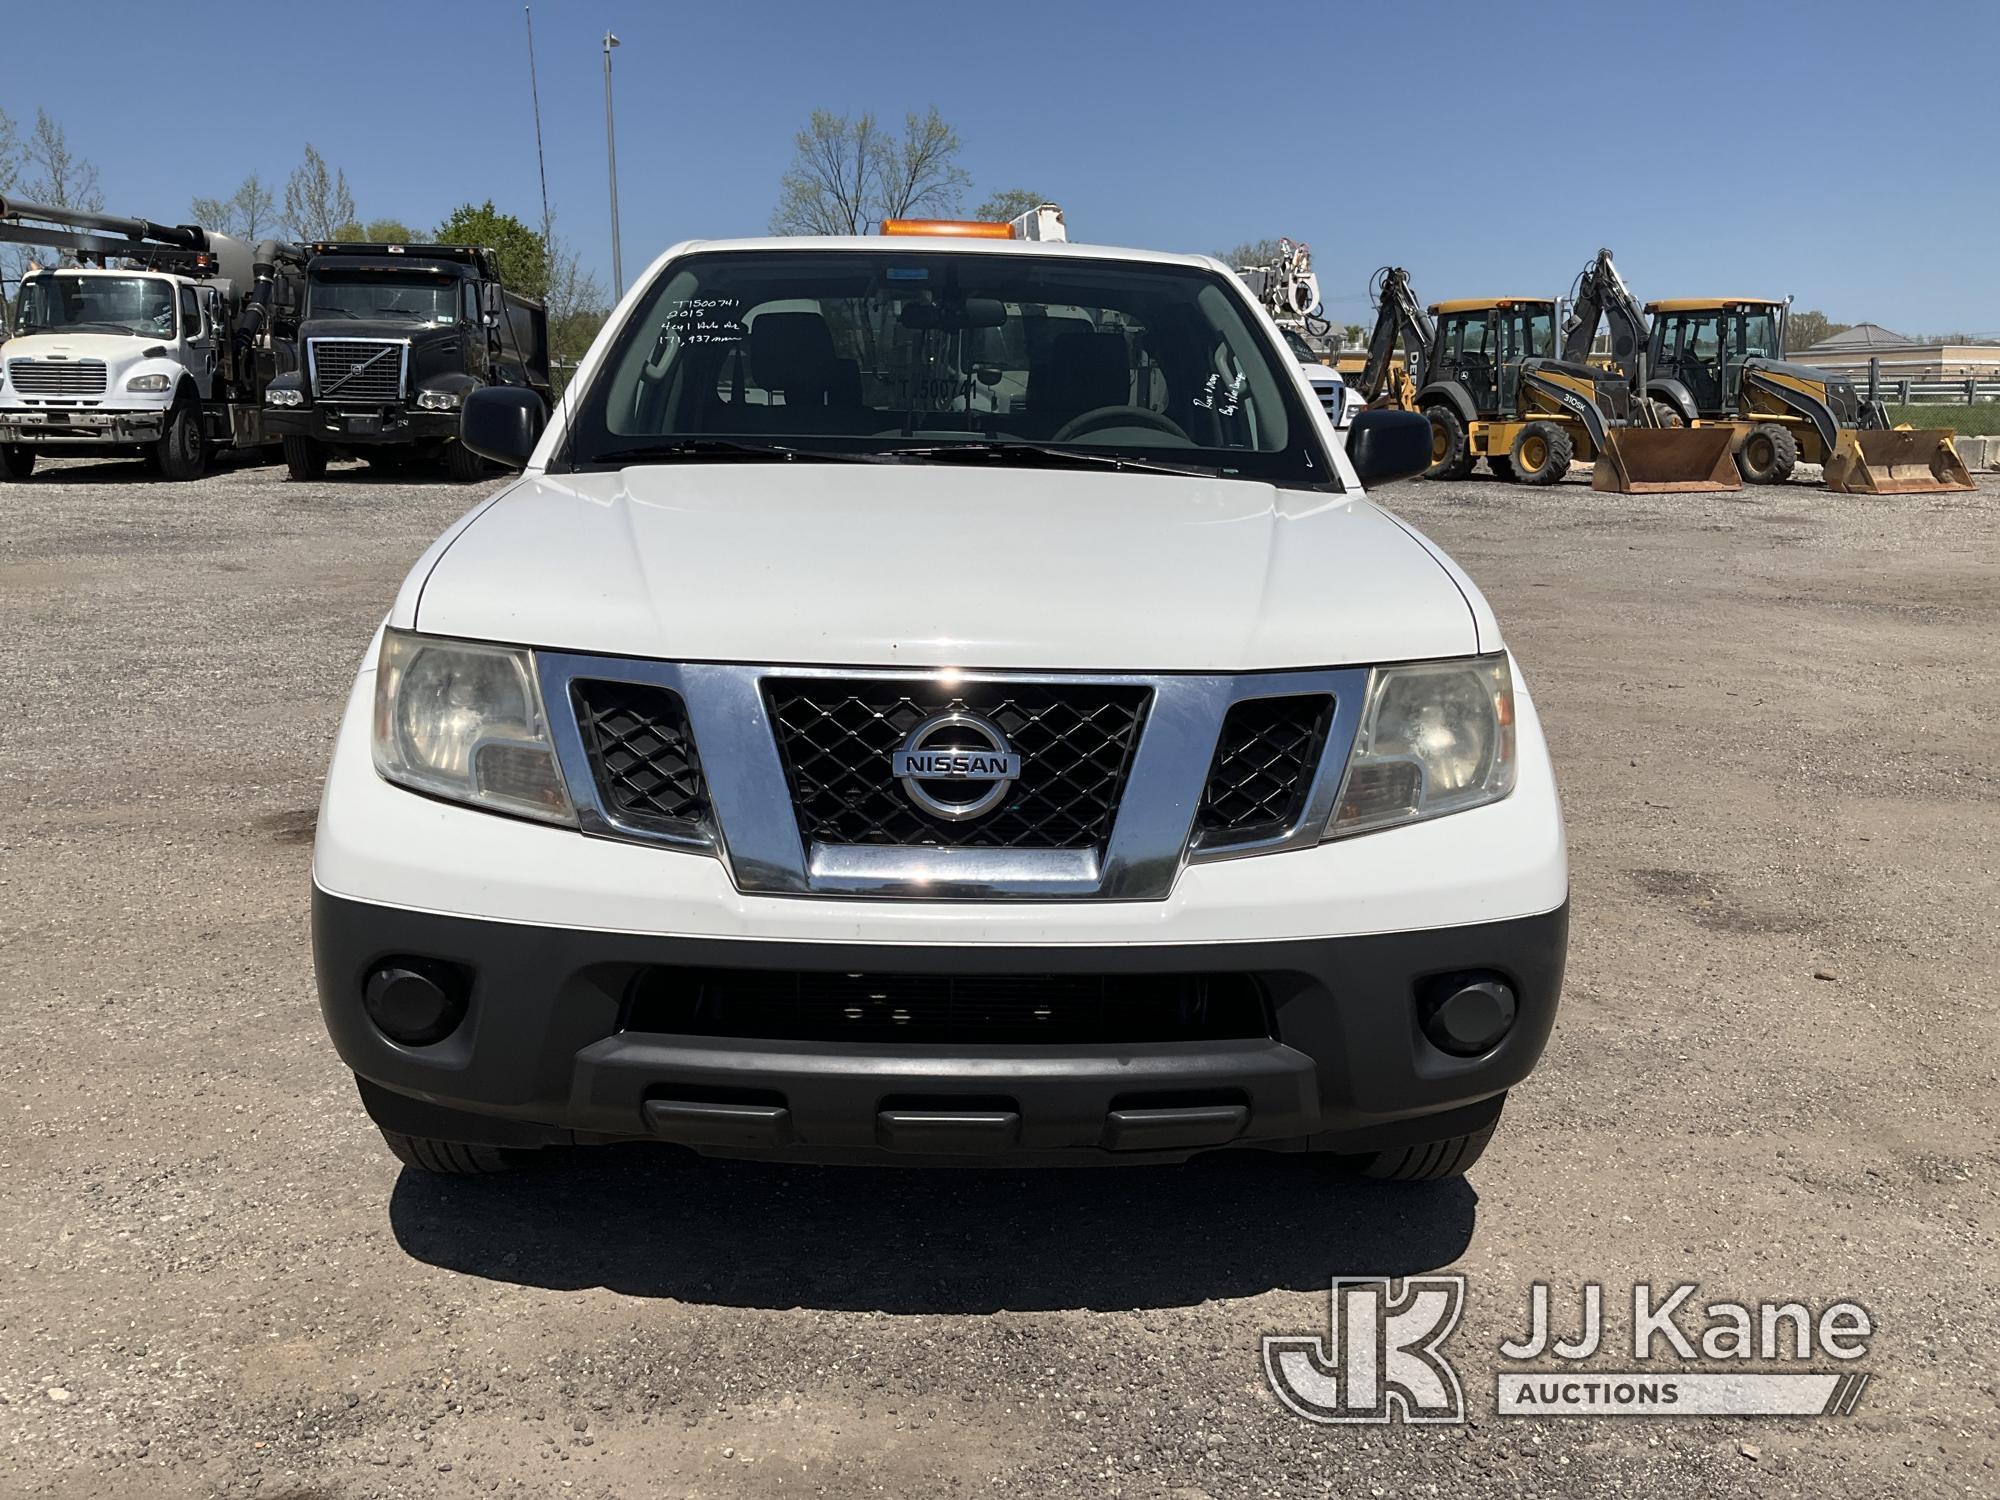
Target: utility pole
column 611, row 159
column 541, row 166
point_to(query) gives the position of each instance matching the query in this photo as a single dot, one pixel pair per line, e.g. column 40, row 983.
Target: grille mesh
column 1075, row 743
column 642, row 753
column 358, row 370
column 1070, row 1008
column 1263, row 768
column 51, row 377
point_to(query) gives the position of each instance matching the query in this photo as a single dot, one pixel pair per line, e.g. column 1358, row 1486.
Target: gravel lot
column 1774, row 1074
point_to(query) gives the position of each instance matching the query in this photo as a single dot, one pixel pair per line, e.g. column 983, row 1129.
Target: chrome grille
column 1329, row 397
column 56, row 377
column 1264, row 765
column 1075, row 743
column 361, row 371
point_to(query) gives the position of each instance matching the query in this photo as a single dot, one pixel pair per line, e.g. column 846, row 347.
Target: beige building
column 1902, row 358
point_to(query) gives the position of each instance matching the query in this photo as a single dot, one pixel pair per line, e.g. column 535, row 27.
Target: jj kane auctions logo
column 1382, row 1358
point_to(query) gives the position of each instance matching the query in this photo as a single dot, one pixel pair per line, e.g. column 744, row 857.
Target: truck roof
column 1709, row 304
column 473, row 257
column 1486, row 304
column 939, row 244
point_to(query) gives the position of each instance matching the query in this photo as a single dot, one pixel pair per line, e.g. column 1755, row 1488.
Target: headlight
column 285, row 396
column 149, row 382
column 1435, row 738
column 465, row 721
column 437, row 400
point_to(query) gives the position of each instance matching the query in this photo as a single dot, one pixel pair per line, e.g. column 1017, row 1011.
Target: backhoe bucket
column 1899, row 461
column 1666, row 461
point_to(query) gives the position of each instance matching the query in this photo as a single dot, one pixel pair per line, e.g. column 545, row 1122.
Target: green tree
column 390, row 232
column 10, row 153
column 1809, row 327
column 1354, row 333
column 317, row 203
column 1250, row 253
column 1009, row 203
column 524, row 260
column 848, row 172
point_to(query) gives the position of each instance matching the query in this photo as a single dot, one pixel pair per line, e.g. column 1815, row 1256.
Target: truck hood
column 927, row 565
column 117, row 350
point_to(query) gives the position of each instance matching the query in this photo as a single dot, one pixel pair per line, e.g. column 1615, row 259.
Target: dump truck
column 391, row 340
column 1486, row 373
column 1720, row 362
column 159, row 342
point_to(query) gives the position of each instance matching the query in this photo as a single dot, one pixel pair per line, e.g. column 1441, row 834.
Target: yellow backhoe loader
column 1719, row 363
column 1484, row 371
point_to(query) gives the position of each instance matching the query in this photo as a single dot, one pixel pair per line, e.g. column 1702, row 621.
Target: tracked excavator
column 1485, row 371
column 1719, row 363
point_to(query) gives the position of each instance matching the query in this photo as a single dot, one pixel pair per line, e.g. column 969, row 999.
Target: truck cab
column 100, row 361
column 391, row 339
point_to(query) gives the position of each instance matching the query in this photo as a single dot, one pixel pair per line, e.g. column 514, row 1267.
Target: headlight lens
column 285, row 396
column 149, row 382
column 1435, row 738
column 463, row 720
column 437, row 400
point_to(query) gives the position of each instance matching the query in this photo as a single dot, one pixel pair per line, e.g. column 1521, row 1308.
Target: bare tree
column 920, row 175
column 830, row 185
column 243, row 213
column 63, row 179
column 849, row 172
column 318, row 205
column 576, row 308
column 10, row 153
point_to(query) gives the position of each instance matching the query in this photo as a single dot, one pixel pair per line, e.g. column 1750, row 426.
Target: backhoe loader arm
column 1601, row 293
column 1399, row 316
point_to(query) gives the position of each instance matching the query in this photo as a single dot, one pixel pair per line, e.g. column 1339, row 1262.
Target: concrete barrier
column 1979, row 452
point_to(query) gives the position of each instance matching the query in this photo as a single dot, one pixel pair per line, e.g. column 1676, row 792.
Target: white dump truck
column 160, row 343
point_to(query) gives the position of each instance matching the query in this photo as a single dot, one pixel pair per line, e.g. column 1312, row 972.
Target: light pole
column 611, row 157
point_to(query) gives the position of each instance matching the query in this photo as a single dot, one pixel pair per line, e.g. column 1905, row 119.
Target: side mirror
column 1388, row 446
column 503, row 423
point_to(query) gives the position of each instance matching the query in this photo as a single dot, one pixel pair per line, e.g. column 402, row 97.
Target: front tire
column 182, row 451
column 304, row 458
column 1768, row 455
column 462, row 465
column 446, row 1158
column 1542, row 454
column 17, row 460
column 1451, row 450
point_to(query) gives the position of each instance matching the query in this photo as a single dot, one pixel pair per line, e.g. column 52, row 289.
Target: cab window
column 190, row 314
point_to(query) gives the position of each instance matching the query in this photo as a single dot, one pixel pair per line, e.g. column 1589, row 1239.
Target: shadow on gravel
column 650, row 1223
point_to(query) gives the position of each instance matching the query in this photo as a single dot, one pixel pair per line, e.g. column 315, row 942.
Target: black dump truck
column 391, row 340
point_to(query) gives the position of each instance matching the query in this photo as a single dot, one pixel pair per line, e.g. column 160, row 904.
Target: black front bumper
column 366, row 427
column 545, row 1055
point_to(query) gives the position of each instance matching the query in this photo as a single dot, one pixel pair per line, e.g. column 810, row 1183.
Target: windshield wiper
column 1040, row 455
column 727, row 448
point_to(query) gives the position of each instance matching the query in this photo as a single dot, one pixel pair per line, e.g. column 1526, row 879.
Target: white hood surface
column 930, row 565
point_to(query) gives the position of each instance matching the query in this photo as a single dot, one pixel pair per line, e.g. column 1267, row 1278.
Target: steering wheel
column 1108, row 416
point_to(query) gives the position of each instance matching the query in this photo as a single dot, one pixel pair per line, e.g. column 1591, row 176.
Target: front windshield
column 1757, row 334
column 54, row 302
column 939, row 356
column 1295, row 341
column 395, row 296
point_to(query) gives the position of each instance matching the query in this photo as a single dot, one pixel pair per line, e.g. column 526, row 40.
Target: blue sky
column 1423, row 134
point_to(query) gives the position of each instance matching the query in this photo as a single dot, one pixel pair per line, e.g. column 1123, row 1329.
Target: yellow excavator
column 1719, row 364
column 1485, row 371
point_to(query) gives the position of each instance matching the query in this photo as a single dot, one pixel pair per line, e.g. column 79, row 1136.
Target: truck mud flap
column 1666, row 460
column 1900, row 461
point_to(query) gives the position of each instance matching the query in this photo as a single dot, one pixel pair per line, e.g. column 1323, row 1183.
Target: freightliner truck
column 392, row 339
column 159, row 343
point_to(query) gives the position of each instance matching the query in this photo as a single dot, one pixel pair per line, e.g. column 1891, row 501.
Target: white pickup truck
column 939, row 699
